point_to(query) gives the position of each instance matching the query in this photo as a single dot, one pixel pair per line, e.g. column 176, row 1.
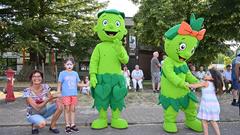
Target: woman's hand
column 192, row 86
column 56, row 95
column 204, row 84
column 197, row 85
column 52, row 98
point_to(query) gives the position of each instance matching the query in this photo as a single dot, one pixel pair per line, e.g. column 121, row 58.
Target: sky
column 125, row 6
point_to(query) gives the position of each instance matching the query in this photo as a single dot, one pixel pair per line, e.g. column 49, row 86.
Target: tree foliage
column 221, row 21
column 40, row 25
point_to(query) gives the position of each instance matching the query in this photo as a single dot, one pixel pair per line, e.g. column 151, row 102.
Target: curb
column 131, row 123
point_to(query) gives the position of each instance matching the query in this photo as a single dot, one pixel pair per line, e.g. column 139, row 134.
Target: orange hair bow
column 185, row 29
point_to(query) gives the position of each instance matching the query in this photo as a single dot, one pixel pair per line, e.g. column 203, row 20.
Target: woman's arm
column 198, row 85
column 82, row 84
column 36, row 106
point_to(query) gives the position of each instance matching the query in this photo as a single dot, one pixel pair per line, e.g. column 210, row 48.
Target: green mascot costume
column 180, row 44
column 106, row 79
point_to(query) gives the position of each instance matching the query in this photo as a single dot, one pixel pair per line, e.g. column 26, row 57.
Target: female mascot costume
column 107, row 82
column 180, row 44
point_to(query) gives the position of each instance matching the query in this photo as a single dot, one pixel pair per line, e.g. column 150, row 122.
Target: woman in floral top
column 41, row 104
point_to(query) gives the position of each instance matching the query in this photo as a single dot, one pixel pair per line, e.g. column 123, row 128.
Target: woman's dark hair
column 217, row 81
column 34, row 72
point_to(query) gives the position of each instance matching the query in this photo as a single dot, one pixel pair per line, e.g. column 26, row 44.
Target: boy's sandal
column 68, row 130
column 74, row 128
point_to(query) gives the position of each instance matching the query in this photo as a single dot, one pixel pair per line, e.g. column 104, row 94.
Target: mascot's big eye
column 118, row 23
column 193, row 50
column 182, row 46
column 105, row 22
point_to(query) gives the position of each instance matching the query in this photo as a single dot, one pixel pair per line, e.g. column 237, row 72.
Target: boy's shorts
column 69, row 100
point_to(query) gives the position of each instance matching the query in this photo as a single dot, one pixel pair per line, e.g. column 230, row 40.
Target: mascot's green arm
column 191, row 78
column 171, row 76
column 122, row 55
column 94, row 61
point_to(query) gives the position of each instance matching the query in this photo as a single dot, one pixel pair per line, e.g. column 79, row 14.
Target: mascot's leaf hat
column 194, row 29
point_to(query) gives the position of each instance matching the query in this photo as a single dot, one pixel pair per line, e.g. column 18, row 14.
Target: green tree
column 221, row 21
column 40, row 25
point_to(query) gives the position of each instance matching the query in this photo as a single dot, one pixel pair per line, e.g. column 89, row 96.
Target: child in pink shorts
column 68, row 81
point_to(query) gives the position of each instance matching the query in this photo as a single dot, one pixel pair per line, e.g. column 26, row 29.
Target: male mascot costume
column 180, row 44
column 107, row 82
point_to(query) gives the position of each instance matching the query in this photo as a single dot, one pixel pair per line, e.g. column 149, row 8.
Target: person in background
column 193, row 70
column 41, row 104
column 155, row 72
column 227, row 76
column 126, row 74
column 201, row 73
column 137, row 78
column 164, row 57
column 86, row 89
column 235, row 78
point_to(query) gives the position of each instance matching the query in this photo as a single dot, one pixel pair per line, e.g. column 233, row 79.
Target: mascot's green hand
column 184, row 85
column 93, row 80
column 117, row 46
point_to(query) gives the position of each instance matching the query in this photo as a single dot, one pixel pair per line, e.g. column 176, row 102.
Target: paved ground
column 145, row 117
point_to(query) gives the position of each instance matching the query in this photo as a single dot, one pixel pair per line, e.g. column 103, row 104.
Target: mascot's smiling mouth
column 110, row 33
column 181, row 58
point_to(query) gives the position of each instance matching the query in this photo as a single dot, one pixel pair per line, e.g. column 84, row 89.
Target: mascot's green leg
column 116, row 121
column 101, row 122
column 170, row 116
column 190, row 117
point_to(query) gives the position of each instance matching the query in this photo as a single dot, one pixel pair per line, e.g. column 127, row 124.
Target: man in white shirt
column 137, row 78
column 227, row 75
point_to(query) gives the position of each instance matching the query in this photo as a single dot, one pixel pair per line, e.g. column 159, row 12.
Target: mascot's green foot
column 117, row 122
column 101, row 122
column 195, row 125
column 170, row 127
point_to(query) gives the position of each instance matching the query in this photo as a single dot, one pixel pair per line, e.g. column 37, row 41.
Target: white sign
column 132, row 42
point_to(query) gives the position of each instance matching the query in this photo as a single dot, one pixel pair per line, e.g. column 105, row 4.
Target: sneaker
column 68, row 130
column 54, row 130
column 235, row 104
column 74, row 128
column 35, row 131
column 154, row 91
